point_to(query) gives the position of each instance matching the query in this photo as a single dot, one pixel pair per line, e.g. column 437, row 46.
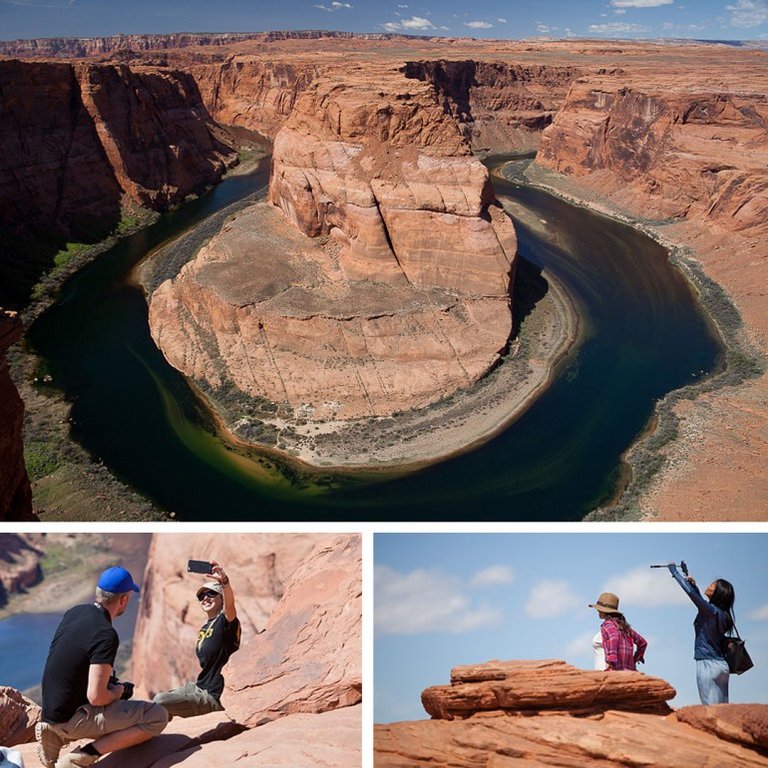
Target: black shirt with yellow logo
column 217, row 640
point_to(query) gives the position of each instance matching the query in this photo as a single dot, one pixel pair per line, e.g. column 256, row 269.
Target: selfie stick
column 683, row 566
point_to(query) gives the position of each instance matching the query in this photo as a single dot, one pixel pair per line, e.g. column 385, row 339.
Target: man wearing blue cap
column 82, row 698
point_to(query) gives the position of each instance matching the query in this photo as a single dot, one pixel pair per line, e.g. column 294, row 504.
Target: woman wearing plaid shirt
column 623, row 647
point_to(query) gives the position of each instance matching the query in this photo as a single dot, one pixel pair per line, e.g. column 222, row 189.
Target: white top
column 597, row 647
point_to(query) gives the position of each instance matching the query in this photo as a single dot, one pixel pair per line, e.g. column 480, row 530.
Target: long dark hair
column 621, row 622
column 723, row 597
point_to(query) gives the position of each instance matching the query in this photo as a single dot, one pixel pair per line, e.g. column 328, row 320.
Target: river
column 645, row 335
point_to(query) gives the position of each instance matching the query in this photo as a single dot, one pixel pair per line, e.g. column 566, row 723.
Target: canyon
column 294, row 689
column 547, row 713
column 374, row 152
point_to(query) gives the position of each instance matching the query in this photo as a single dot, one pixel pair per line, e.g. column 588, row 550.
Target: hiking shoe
column 76, row 759
column 49, row 744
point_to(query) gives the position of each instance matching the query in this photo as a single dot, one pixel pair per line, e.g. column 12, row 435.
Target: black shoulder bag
column 735, row 652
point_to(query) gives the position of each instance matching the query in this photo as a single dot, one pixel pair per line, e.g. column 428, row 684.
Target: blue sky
column 442, row 600
column 500, row 19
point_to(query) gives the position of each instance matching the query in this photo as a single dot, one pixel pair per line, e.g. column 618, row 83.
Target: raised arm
column 230, row 609
column 690, row 589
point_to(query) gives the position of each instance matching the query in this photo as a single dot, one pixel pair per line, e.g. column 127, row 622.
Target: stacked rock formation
column 404, row 298
column 15, row 490
column 547, row 713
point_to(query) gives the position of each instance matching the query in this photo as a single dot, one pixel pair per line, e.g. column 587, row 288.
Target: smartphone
column 198, row 566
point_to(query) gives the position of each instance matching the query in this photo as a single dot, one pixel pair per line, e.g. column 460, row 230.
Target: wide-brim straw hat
column 606, row 603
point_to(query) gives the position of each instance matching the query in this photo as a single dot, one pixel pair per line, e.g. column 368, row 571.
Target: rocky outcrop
column 551, row 714
column 15, row 490
column 18, row 716
column 532, row 686
column 740, row 723
column 259, row 566
column 403, row 298
column 82, row 141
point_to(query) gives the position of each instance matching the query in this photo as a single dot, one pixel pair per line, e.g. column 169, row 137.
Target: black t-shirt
column 84, row 636
column 217, row 640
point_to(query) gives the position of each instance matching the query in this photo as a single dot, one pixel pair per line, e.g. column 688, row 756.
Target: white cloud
column 552, row 598
column 402, row 6
column 502, row 21
column 477, row 24
column 645, row 587
column 425, row 601
column 748, row 13
column 545, row 29
column 415, row 22
column 581, row 645
column 640, row 3
column 759, row 614
column 493, row 575
column 335, row 6
column 617, row 28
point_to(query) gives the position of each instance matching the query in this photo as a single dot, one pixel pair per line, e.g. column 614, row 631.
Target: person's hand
column 217, row 573
column 691, row 580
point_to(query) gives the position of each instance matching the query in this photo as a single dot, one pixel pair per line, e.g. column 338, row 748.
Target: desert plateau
column 439, row 274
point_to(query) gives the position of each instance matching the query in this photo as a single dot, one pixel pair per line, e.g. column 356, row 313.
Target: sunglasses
column 203, row 595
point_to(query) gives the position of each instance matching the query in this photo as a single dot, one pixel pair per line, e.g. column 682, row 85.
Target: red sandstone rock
column 15, row 490
column 18, row 716
column 309, row 658
column 547, row 713
column 743, row 723
column 552, row 740
column 526, row 686
column 259, row 566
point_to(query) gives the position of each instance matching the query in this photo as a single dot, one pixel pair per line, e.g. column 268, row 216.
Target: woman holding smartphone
column 712, row 621
column 217, row 640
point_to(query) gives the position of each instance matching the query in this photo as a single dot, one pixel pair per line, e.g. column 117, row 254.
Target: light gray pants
column 188, row 701
column 712, row 680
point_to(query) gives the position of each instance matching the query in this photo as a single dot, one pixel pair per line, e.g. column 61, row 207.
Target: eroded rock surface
column 18, row 716
column 405, row 299
column 531, row 686
column 548, row 713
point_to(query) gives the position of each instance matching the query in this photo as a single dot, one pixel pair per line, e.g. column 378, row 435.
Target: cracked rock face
column 396, row 294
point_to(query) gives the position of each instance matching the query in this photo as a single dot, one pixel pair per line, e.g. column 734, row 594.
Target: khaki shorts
column 188, row 701
column 90, row 722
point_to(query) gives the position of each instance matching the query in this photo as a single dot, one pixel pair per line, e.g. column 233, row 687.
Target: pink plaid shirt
column 619, row 648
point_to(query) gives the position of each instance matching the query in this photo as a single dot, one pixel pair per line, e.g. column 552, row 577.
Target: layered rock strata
column 664, row 153
column 687, row 156
column 551, row 714
column 532, row 686
column 82, row 141
column 403, row 297
column 15, row 490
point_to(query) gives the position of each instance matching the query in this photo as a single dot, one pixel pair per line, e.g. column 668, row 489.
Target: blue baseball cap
column 117, row 580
